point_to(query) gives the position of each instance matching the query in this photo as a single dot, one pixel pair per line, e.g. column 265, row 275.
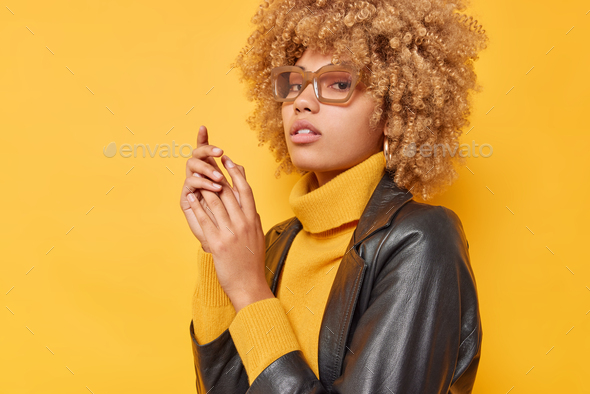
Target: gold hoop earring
column 386, row 152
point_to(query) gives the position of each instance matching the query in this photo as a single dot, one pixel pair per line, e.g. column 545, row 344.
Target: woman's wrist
column 257, row 294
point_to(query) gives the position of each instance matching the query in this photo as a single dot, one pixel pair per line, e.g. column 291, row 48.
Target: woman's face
column 346, row 138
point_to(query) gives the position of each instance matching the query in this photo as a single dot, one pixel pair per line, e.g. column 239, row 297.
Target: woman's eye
column 343, row 85
column 297, row 85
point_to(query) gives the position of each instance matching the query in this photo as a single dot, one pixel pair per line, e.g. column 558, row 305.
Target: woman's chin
column 306, row 163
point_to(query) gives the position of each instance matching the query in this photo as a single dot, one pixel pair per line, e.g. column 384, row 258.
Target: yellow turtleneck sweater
column 265, row 330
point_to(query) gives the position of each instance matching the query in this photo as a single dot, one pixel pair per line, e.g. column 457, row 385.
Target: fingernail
column 197, row 175
column 217, row 174
column 191, row 198
column 229, row 163
column 216, row 151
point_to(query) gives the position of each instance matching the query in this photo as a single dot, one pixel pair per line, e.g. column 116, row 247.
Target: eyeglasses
column 331, row 83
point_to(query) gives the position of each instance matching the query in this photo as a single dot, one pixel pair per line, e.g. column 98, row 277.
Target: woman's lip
column 303, row 124
column 305, row 138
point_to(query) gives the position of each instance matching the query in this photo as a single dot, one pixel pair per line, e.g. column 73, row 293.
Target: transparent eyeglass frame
column 312, row 77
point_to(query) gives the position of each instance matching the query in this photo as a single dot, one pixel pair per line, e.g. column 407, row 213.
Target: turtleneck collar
column 339, row 201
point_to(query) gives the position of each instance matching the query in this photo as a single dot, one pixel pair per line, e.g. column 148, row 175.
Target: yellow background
column 98, row 261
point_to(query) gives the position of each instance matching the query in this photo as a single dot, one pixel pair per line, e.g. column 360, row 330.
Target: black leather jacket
column 402, row 315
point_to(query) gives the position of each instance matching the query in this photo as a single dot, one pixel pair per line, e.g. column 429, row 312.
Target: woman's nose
column 307, row 100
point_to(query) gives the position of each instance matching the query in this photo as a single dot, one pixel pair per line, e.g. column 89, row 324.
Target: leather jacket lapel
column 276, row 253
column 382, row 206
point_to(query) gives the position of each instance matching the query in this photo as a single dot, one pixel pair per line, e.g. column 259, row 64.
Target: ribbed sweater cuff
column 208, row 288
column 211, row 321
column 212, row 310
column 262, row 333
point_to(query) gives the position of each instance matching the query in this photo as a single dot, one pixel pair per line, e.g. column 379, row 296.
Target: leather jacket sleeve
column 420, row 331
column 218, row 366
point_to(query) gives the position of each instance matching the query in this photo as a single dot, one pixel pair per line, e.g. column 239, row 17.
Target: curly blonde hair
column 416, row 58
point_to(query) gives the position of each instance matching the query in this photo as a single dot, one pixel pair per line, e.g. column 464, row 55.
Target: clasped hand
column 232, row 227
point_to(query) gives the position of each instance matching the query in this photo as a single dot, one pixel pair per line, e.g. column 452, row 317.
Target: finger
column 237, row 195
column 197, row 181
column 231, row 201
column 191, row 218
column 204, row 221
column 202, row 136
column 206, row 152
column 203, row 141
column 201, row 167
column 243, row 188
column 211, row 161
column 191, row 188
column 197, row 165
column 217, row 208
column 195, row 185
column 203, row 149
column 242, row 170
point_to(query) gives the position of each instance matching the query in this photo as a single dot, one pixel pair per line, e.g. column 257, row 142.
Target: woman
column 364, row 290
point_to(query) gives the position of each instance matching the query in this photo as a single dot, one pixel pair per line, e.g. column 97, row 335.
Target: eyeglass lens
column 331, row 84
